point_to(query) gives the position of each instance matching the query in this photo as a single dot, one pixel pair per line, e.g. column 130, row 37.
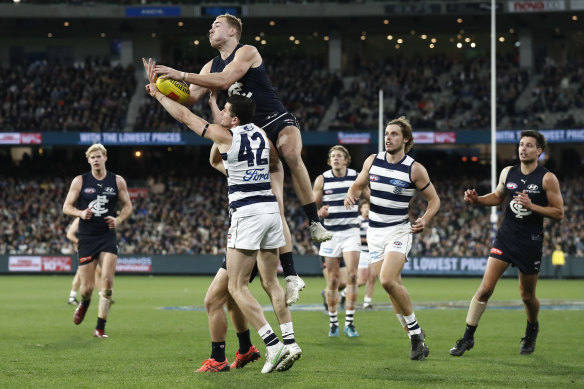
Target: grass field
column 150, row 347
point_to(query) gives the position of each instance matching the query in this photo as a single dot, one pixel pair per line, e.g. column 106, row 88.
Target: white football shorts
column 384, row 240
column 342, row 241
column 263, row 231
column 364, row 260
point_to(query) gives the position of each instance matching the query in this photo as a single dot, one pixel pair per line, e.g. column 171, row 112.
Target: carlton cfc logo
column 511, row 185
column 373, row 177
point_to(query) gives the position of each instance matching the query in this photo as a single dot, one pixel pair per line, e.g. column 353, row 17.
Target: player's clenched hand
column 350, row 201
column 418, row 226
column 86, row 214
column 111, row 222
column 323, row 211
column 523, row 199
column 471, row 196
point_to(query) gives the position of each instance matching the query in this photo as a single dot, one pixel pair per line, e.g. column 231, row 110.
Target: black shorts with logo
column 523, row 253
column 275, row 122
column 90, row 246
column 254, row 272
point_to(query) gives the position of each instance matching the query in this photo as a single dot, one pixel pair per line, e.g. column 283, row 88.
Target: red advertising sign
column 536, row 6
column 37, row 263
column 445, row 137
column 31, row 138
column 137, row 192
column 56, row 264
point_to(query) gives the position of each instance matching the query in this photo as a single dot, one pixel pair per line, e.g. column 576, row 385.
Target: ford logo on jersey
column 256, row 175
column 373, row 177
column 399, row 183
column 511, row 185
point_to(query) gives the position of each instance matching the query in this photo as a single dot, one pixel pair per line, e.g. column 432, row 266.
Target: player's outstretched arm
column 198, row 125
column 244, row 59
column 494, row 198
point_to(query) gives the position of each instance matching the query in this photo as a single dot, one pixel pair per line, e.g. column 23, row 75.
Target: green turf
column 155, row 348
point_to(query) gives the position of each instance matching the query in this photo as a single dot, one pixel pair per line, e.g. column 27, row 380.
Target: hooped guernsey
column 334, row 190
column 248, row 173
column 391, row 191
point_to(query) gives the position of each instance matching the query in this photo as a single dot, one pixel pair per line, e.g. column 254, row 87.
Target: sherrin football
column 173, row 89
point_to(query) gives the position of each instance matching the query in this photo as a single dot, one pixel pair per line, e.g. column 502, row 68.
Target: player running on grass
column 531, row 193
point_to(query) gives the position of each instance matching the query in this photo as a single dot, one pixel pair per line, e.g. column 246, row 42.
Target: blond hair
column 96, row 147
column 343, row 150
column 406, row 128
column 234, row 22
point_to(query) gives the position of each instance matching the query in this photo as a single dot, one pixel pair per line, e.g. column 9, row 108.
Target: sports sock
column 100, row 324
column 333, row 320
column 288, row 264
column 311, row 212
column 218, row 351
column 413, row 327
column 73, row 294
column 469, row 331
column 287, row 333
column 343, row 293
column 349, row 317
column 367, row 300
column 244, row 342
column 268, row 335
column 532, row 329
column 403, row 323
column 85, row 303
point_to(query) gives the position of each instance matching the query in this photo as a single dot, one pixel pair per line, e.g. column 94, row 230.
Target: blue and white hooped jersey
column 363, row 225
column 391, row 191
column 247, row 164
column 334, row 191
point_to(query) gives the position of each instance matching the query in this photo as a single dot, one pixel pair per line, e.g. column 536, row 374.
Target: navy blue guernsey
column 102, row 197
column 519, row 221
column 254, row 84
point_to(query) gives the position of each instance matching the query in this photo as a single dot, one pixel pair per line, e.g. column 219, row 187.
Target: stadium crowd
column 436, row 92
column 89, row 96
column 188, row 215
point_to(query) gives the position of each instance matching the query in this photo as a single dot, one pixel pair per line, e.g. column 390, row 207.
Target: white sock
column 349, row 317
column 367, row 300
column 287, row 333
column 412, row 323
column 73, row 294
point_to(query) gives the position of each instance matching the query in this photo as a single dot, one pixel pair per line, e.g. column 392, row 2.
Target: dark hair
column 539, row 138
column 242, row 107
